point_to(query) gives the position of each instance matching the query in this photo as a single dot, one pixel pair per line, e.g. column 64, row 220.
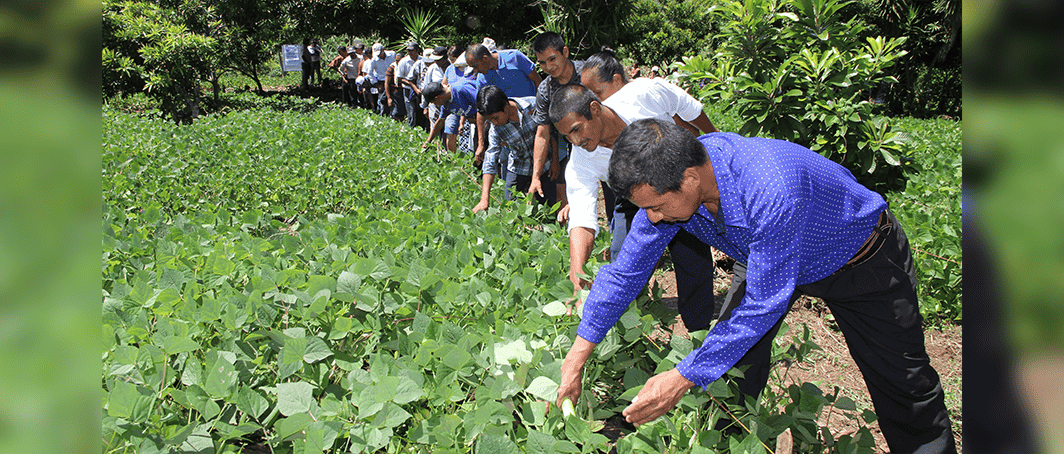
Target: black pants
column 875, row 306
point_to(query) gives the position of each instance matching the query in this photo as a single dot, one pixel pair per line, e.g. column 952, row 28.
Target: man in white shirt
column 405, row 72
column 349, row 73
column 592, row 126
column 378, row 67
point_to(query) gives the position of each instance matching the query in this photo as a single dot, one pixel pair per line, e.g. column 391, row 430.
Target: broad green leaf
column 221, row 379
column 543, row 388
column 515, row 350
column 199, row 441
column 555, row 308
column 286, row 427
column 491, row 444
column 316, row 350
column 251, row 402
column 294, row 397
column 390, row 416
column 540, row 443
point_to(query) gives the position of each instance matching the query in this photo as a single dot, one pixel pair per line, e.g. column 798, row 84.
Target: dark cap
column 432, row 90
column 412, row 45
column 439, row 52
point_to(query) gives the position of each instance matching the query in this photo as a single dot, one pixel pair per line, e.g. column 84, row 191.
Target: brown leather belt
column 874, row 241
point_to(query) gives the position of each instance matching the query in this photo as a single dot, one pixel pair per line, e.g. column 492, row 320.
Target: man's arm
column 581, row 242
column 540, row 148
column 485, row 192
column 482, row 139
column 683, row 124
column 437, row 127
column 704, row 124
column 534, row 77
column 573, row 370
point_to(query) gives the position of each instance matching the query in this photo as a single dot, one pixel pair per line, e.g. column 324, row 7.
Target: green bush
column 795, row 71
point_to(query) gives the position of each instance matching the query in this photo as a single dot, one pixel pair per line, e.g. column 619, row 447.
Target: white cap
column 377, row 47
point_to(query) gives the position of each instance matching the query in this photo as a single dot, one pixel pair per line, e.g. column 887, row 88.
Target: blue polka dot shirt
column 793, row 216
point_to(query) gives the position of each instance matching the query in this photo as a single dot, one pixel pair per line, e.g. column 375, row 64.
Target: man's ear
column 565, row 51
column 691, row 177
column 596, row 108
column 618, row 79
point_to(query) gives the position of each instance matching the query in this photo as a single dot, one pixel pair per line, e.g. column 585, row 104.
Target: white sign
column 290, row 57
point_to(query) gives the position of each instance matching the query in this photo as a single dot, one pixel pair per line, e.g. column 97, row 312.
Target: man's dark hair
column 655, row 152
column 490, row 99
column 569, row 99
column 432, row 90
column 368, row 53
column 456, row 51
column 548, row 40
column 477, row 51
column 340, row 49
column 605, row 65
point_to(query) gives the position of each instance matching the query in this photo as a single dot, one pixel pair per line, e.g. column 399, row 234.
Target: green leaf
column 391, row 416
column 199, row 441
column 286, row 427
column 290, row 360
column 543, row 388
column 555, row 309
column 845, row 403
column 251, row 402
column 316, row 350
column 491, row 444
column 539, row 442
column 294, row 397
column 221, row 379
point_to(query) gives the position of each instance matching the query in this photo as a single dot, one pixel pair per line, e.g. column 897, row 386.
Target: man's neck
column 612, row 125
column 568, row 74
column 708, row 190
column 511, row 111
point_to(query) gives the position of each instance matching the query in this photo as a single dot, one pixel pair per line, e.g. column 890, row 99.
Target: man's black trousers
column 874, row 304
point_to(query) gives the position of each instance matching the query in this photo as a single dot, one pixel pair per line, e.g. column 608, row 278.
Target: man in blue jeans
column 803, row 225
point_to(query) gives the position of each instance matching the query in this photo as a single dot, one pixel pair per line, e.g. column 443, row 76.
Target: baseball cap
column 438, row 53
column 411, row 45
column 377, row 47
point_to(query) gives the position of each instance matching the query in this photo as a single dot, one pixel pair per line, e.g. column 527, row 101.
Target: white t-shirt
column 638, row 99
column 378, row 66
column 402, row 68
column 350, row 66
column 647, row 98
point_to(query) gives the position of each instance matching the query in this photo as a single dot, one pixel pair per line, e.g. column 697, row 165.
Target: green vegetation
column 311, row 281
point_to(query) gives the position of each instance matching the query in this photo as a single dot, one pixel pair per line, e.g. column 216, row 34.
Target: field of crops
column 313, row 282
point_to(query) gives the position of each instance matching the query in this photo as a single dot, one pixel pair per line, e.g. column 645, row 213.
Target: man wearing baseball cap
column 378, row 67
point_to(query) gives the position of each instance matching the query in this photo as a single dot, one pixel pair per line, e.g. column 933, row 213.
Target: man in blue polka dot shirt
column 802, row 225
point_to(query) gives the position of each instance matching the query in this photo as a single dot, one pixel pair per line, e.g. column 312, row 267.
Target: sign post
column 290, row 58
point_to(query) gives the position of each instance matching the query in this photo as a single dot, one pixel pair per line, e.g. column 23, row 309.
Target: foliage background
column 49, row 226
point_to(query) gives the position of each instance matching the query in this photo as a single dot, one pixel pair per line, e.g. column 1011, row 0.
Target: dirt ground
column 832, row 366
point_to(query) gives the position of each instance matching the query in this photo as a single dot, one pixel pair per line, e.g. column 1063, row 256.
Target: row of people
column 795, row 223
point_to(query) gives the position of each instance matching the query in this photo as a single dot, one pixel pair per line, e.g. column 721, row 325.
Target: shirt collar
column 730, row 212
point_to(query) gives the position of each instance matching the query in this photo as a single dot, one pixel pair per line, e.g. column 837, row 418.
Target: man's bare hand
column 483, row 205
column 579, row 284
column 658, row 396
column 536, row 187
column 563, row 214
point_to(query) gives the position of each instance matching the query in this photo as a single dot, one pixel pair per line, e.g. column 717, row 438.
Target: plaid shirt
column 517, row 137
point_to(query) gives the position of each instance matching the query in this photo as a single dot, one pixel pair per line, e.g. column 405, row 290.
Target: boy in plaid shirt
column 512, row 118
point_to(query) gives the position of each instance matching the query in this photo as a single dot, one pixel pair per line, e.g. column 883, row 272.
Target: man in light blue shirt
column 803, row 225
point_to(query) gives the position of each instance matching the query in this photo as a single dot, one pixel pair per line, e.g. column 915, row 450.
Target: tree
column 798, row 70
column 145, row 42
